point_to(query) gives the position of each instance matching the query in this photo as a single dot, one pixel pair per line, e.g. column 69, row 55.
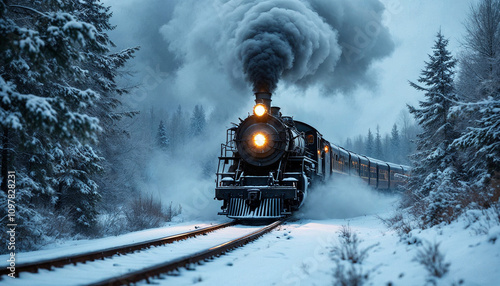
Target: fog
column 186, row 176
column 345, row 197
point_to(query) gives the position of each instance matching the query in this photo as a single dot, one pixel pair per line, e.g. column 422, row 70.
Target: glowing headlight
column 259, row 110
column 327, row 149
column 259, row 139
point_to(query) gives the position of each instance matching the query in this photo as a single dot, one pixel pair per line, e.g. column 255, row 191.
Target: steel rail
column 101, row 254
column 155, row 270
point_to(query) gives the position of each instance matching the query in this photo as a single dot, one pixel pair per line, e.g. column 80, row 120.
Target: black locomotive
column 269, row 162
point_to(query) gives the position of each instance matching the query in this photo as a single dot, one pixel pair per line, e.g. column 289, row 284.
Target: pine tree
column 348, row 144
column 483, row 140
column 378, row 144
column 178, row 128
column 162, row 139
column 359, row 145
column 407, row 136
column 198, row 121
column 394, row 145
column 77, row 191
column 369, row 147
column 435, row 178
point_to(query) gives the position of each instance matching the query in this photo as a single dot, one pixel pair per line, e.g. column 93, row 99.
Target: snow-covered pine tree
column 395, row 144
column 198, row 121
column 378, row 145
column 76, row 190
column 359, row 145
column 479, row 107
column 162, row 139
column 179, row 128
column 481, row 143
column 54, row 72
column 407, row 136
column 369, row 147
column 435, row 178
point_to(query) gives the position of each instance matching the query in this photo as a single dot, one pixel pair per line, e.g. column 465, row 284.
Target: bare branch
column 29, row 9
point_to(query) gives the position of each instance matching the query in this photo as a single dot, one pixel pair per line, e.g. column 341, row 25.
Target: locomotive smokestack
column 263, row 97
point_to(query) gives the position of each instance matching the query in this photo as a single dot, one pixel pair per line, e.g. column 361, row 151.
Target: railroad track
column 143, row 265
column 161, row 268
column 108, row 252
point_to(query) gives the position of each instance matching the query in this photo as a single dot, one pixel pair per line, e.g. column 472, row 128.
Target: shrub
column 432, row 259
column 349, row 246
column 398, row 223
column 146, row 212
column 348, row 257
column 349, row 275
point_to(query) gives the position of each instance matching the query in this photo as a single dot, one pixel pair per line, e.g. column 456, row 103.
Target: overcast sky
column 167, row 79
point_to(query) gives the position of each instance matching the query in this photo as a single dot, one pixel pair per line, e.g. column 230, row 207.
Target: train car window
column 383, row 175
column 364, row 170
column 373, row 171
column 310, row 139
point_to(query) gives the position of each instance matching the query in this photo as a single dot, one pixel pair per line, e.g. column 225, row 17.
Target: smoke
column 284, row 38
column 327, row 43
column 345, row 197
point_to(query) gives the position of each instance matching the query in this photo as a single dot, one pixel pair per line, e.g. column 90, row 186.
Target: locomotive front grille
column 268, row 208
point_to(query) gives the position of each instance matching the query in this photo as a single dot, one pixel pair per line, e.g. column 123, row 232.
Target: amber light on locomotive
column 259, row 110
column 259, row 139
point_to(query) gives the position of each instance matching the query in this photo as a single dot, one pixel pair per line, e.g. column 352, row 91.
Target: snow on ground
column 300, row 251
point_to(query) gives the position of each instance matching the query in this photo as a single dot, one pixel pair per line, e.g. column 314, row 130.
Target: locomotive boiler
column 270, row 161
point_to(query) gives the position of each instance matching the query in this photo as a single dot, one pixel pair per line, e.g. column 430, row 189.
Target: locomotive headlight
column 259, row 110
column 259, row 139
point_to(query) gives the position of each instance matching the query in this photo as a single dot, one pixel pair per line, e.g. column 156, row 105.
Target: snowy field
column 300, row 252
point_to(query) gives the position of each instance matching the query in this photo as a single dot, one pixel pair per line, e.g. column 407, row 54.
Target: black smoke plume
column 284, row 38
column 327, row 43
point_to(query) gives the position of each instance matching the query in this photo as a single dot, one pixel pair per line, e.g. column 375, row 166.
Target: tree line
column 394, row 147
column 180, row 127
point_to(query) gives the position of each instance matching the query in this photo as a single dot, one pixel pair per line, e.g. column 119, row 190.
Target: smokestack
column 263, row 97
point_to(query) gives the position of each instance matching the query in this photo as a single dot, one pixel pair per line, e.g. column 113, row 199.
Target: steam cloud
column 345, row 197
column 327, row 42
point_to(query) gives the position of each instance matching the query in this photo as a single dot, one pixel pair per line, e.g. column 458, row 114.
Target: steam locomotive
column 270, row 161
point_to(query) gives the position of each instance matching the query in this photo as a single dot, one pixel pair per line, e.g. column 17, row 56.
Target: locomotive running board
column 269, row 208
